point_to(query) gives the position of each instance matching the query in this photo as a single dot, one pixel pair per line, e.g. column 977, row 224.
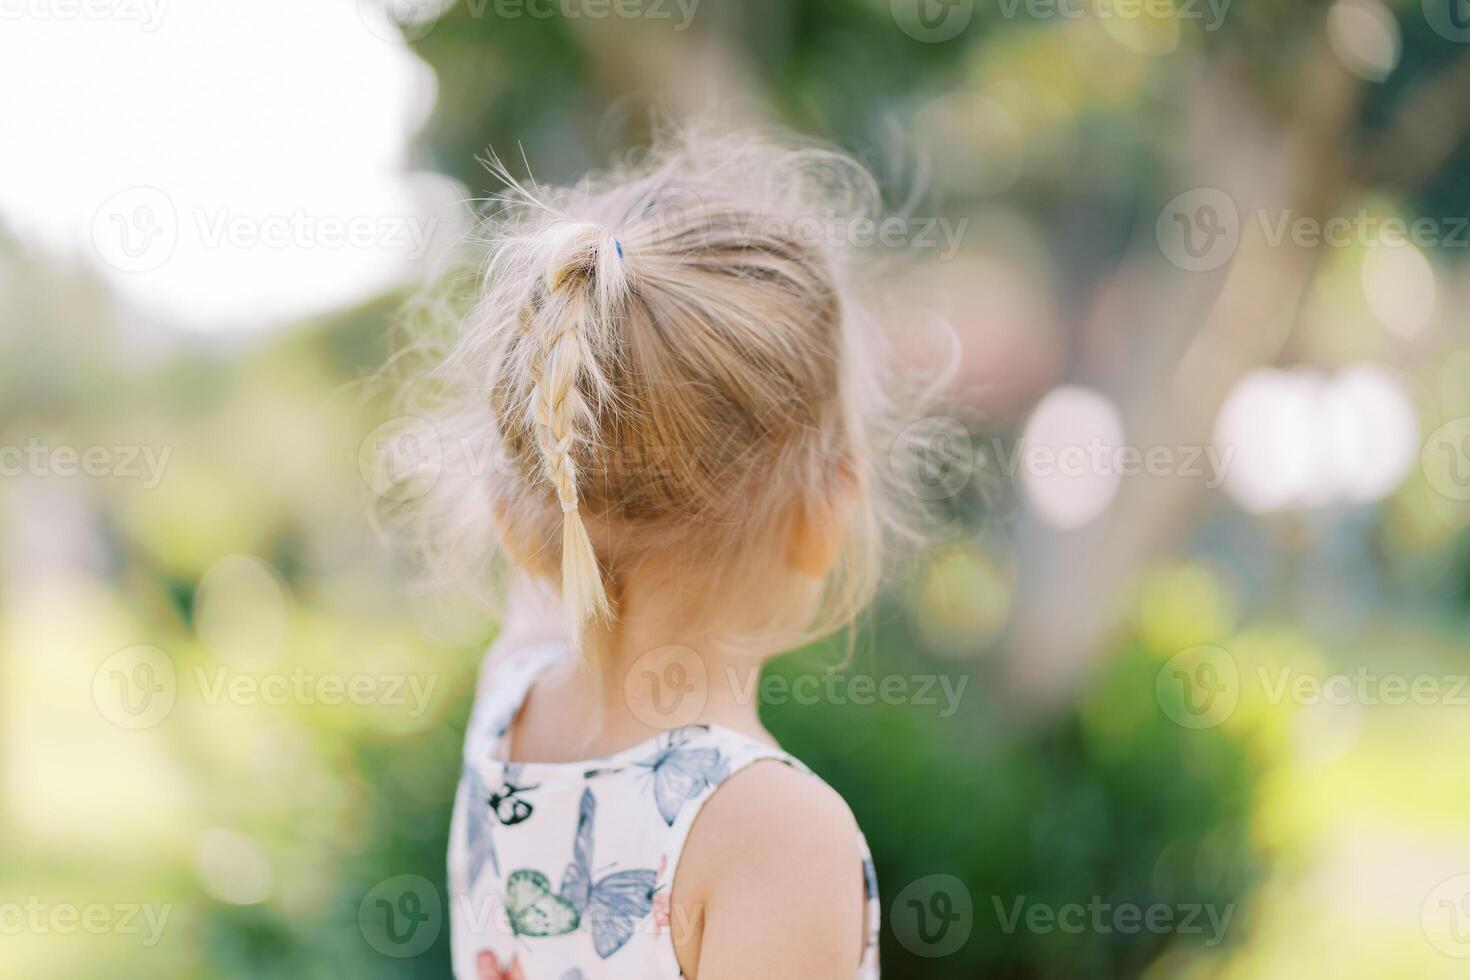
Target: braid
column 583, row 281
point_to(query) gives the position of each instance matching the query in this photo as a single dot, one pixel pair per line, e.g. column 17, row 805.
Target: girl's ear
column 819, row 528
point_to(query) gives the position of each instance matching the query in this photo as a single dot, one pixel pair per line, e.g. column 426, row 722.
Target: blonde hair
column 665, row 362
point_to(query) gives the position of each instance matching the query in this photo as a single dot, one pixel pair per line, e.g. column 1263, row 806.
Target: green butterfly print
column 611, row 905
column 534, row 909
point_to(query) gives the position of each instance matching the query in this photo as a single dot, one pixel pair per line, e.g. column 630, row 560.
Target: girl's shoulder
column 770, row 840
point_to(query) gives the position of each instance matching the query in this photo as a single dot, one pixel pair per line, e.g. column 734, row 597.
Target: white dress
column 562, row 871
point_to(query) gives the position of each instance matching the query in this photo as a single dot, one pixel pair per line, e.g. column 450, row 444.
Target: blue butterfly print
column 479, row 846
column 611, row 906
column 504, row 804
column 680, row 773
column 572, row 974
column 870, row 880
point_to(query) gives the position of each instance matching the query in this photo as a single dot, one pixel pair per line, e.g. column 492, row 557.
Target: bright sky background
column 260, row 148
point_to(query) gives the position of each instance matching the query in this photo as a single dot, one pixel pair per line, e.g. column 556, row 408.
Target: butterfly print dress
column 562, row 871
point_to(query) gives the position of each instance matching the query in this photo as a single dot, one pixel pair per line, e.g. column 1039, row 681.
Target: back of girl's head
column 666, row 373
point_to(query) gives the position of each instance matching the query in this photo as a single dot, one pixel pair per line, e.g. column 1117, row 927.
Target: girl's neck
column 646, row 677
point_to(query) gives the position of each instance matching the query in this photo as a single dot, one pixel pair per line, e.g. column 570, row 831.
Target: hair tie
column 567, row 508
column 619, row 246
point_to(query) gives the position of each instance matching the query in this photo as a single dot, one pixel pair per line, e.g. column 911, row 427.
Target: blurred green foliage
column 1086, row 789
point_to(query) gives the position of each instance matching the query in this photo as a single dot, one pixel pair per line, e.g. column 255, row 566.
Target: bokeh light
column 1068, row 433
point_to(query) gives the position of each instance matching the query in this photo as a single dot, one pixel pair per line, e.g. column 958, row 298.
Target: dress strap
column 502, row 688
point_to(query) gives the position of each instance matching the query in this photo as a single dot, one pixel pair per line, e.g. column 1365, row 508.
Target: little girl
column 679, row 398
